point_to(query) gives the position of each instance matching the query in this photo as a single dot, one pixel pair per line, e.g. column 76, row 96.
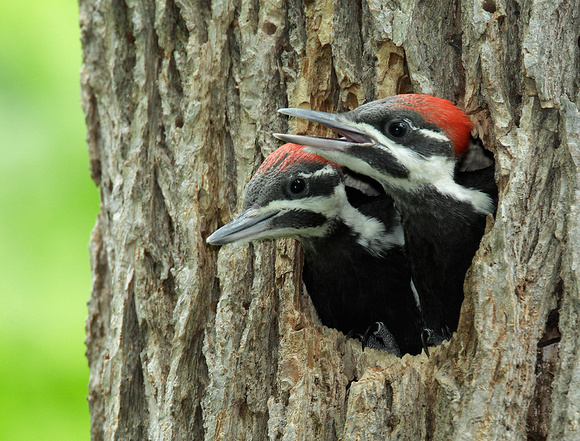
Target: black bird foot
column 431, row 338
column 377, row 336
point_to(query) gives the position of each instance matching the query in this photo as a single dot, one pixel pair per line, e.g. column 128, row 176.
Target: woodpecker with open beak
column 412, row 144
column 354, row 266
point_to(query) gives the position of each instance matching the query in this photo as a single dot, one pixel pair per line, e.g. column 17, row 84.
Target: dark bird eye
column 297, row 185
column 398, row 128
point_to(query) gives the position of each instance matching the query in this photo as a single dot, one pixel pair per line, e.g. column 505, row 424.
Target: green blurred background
column 48, row 206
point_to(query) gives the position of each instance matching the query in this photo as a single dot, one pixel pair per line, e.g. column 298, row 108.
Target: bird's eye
column 398, row 128
column 297, row 186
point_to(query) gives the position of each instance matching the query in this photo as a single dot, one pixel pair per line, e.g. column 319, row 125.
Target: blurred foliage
column 48, row 205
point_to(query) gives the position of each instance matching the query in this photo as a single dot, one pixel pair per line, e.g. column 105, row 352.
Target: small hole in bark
column 455, row 41
column 394, row 59
column 130, row 38
column 404, row 84
column 269, row 28
column 489, row 6
column 179, row 121
column 389, row 394
column 351, row 101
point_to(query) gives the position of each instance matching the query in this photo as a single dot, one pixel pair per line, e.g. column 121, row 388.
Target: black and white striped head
column 298, row 194
column 405, row 142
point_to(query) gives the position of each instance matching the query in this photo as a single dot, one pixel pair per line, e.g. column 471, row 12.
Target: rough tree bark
column 186, row 342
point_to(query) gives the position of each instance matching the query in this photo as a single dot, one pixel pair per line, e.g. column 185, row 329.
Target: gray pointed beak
column 245, row 227
column 336, row 122
column 312, row 141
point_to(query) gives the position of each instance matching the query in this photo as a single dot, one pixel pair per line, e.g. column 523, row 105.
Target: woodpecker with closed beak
column 354, row 266
column 412, row 144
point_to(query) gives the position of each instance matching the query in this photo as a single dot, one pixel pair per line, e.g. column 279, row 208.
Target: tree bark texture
column 188, row 342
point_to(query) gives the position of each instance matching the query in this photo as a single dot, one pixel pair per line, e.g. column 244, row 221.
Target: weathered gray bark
column 185, row 342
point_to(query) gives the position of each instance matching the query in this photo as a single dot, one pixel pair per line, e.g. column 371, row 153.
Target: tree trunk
column 188, row 342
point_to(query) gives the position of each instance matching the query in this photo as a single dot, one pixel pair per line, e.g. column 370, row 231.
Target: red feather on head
column 441, row 112
column 287, row 155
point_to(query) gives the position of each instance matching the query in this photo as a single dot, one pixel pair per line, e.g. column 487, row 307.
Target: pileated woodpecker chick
column 354, row 267
column 411, row 144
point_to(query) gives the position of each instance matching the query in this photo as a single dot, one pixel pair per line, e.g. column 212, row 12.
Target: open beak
column 245, row 227
column 351, row 135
